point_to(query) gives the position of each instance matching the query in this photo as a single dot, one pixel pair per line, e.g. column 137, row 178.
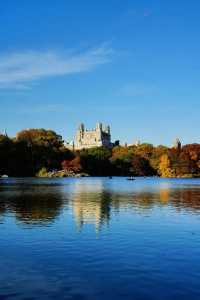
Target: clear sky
column 132, row 64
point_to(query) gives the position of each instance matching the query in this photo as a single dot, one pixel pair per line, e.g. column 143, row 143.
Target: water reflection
column 91, row 204
column 92, row 201
column 43, row 256
column 31, row 204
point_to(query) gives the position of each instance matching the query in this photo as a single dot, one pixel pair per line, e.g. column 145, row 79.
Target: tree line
column 37, row 151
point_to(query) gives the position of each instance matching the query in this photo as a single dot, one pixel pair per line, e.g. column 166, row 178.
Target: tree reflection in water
column 91, row 201
column 94, row 202
column 31, row 204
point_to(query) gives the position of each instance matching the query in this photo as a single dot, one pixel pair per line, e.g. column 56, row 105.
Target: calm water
column 99, row 238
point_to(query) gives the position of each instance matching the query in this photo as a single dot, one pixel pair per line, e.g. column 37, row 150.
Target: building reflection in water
column 92, row 201
column 91, row 204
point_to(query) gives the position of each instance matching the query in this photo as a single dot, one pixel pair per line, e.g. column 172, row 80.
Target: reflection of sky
column 150, row 246
column 94, row 201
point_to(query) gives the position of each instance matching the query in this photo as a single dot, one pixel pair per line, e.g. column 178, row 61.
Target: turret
column 177, row 144
column 99, row 126
column 107, row 129
column 79, row 133
column 81, row 127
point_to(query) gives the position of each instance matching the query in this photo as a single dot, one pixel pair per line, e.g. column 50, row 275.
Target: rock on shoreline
column 62, row 173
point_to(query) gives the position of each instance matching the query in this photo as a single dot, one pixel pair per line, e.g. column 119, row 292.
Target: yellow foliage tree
column 165, row 169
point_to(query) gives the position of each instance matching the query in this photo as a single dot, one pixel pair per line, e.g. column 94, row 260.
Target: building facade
column 97, row 137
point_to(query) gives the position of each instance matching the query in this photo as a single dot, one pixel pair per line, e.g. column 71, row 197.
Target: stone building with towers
column 97, row 137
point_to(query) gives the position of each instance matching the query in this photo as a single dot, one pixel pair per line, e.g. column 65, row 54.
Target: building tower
column 137, row 143
column 177, row 144
column 98, row 137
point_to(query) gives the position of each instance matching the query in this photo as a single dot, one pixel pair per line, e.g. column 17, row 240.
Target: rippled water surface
column 100, row 238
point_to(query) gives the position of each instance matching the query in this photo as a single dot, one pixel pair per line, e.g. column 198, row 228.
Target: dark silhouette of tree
column 34, row 150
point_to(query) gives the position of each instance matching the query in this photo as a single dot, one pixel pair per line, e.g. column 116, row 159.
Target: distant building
column 137, row 143
column 177, row 144
column 84, row 138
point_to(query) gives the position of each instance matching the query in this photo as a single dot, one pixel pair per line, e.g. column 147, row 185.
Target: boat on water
column 130, row 178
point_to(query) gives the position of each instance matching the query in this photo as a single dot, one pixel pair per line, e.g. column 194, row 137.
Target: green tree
column 95, row 161
column 121, row 160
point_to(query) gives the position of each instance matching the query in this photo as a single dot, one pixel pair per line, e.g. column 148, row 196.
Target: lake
column 100, row 238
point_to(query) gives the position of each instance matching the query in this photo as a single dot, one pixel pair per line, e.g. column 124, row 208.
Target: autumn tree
column 73, row 165
column 154, row 159
column 42, row 149
column 165, row 169
column 121, row 160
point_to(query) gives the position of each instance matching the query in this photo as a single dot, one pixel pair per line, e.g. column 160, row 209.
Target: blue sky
column 132, row 64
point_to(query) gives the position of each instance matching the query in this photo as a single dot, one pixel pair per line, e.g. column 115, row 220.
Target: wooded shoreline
column 40, row 152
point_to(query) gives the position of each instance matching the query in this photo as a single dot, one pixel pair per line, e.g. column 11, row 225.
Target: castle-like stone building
column 84, row 138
